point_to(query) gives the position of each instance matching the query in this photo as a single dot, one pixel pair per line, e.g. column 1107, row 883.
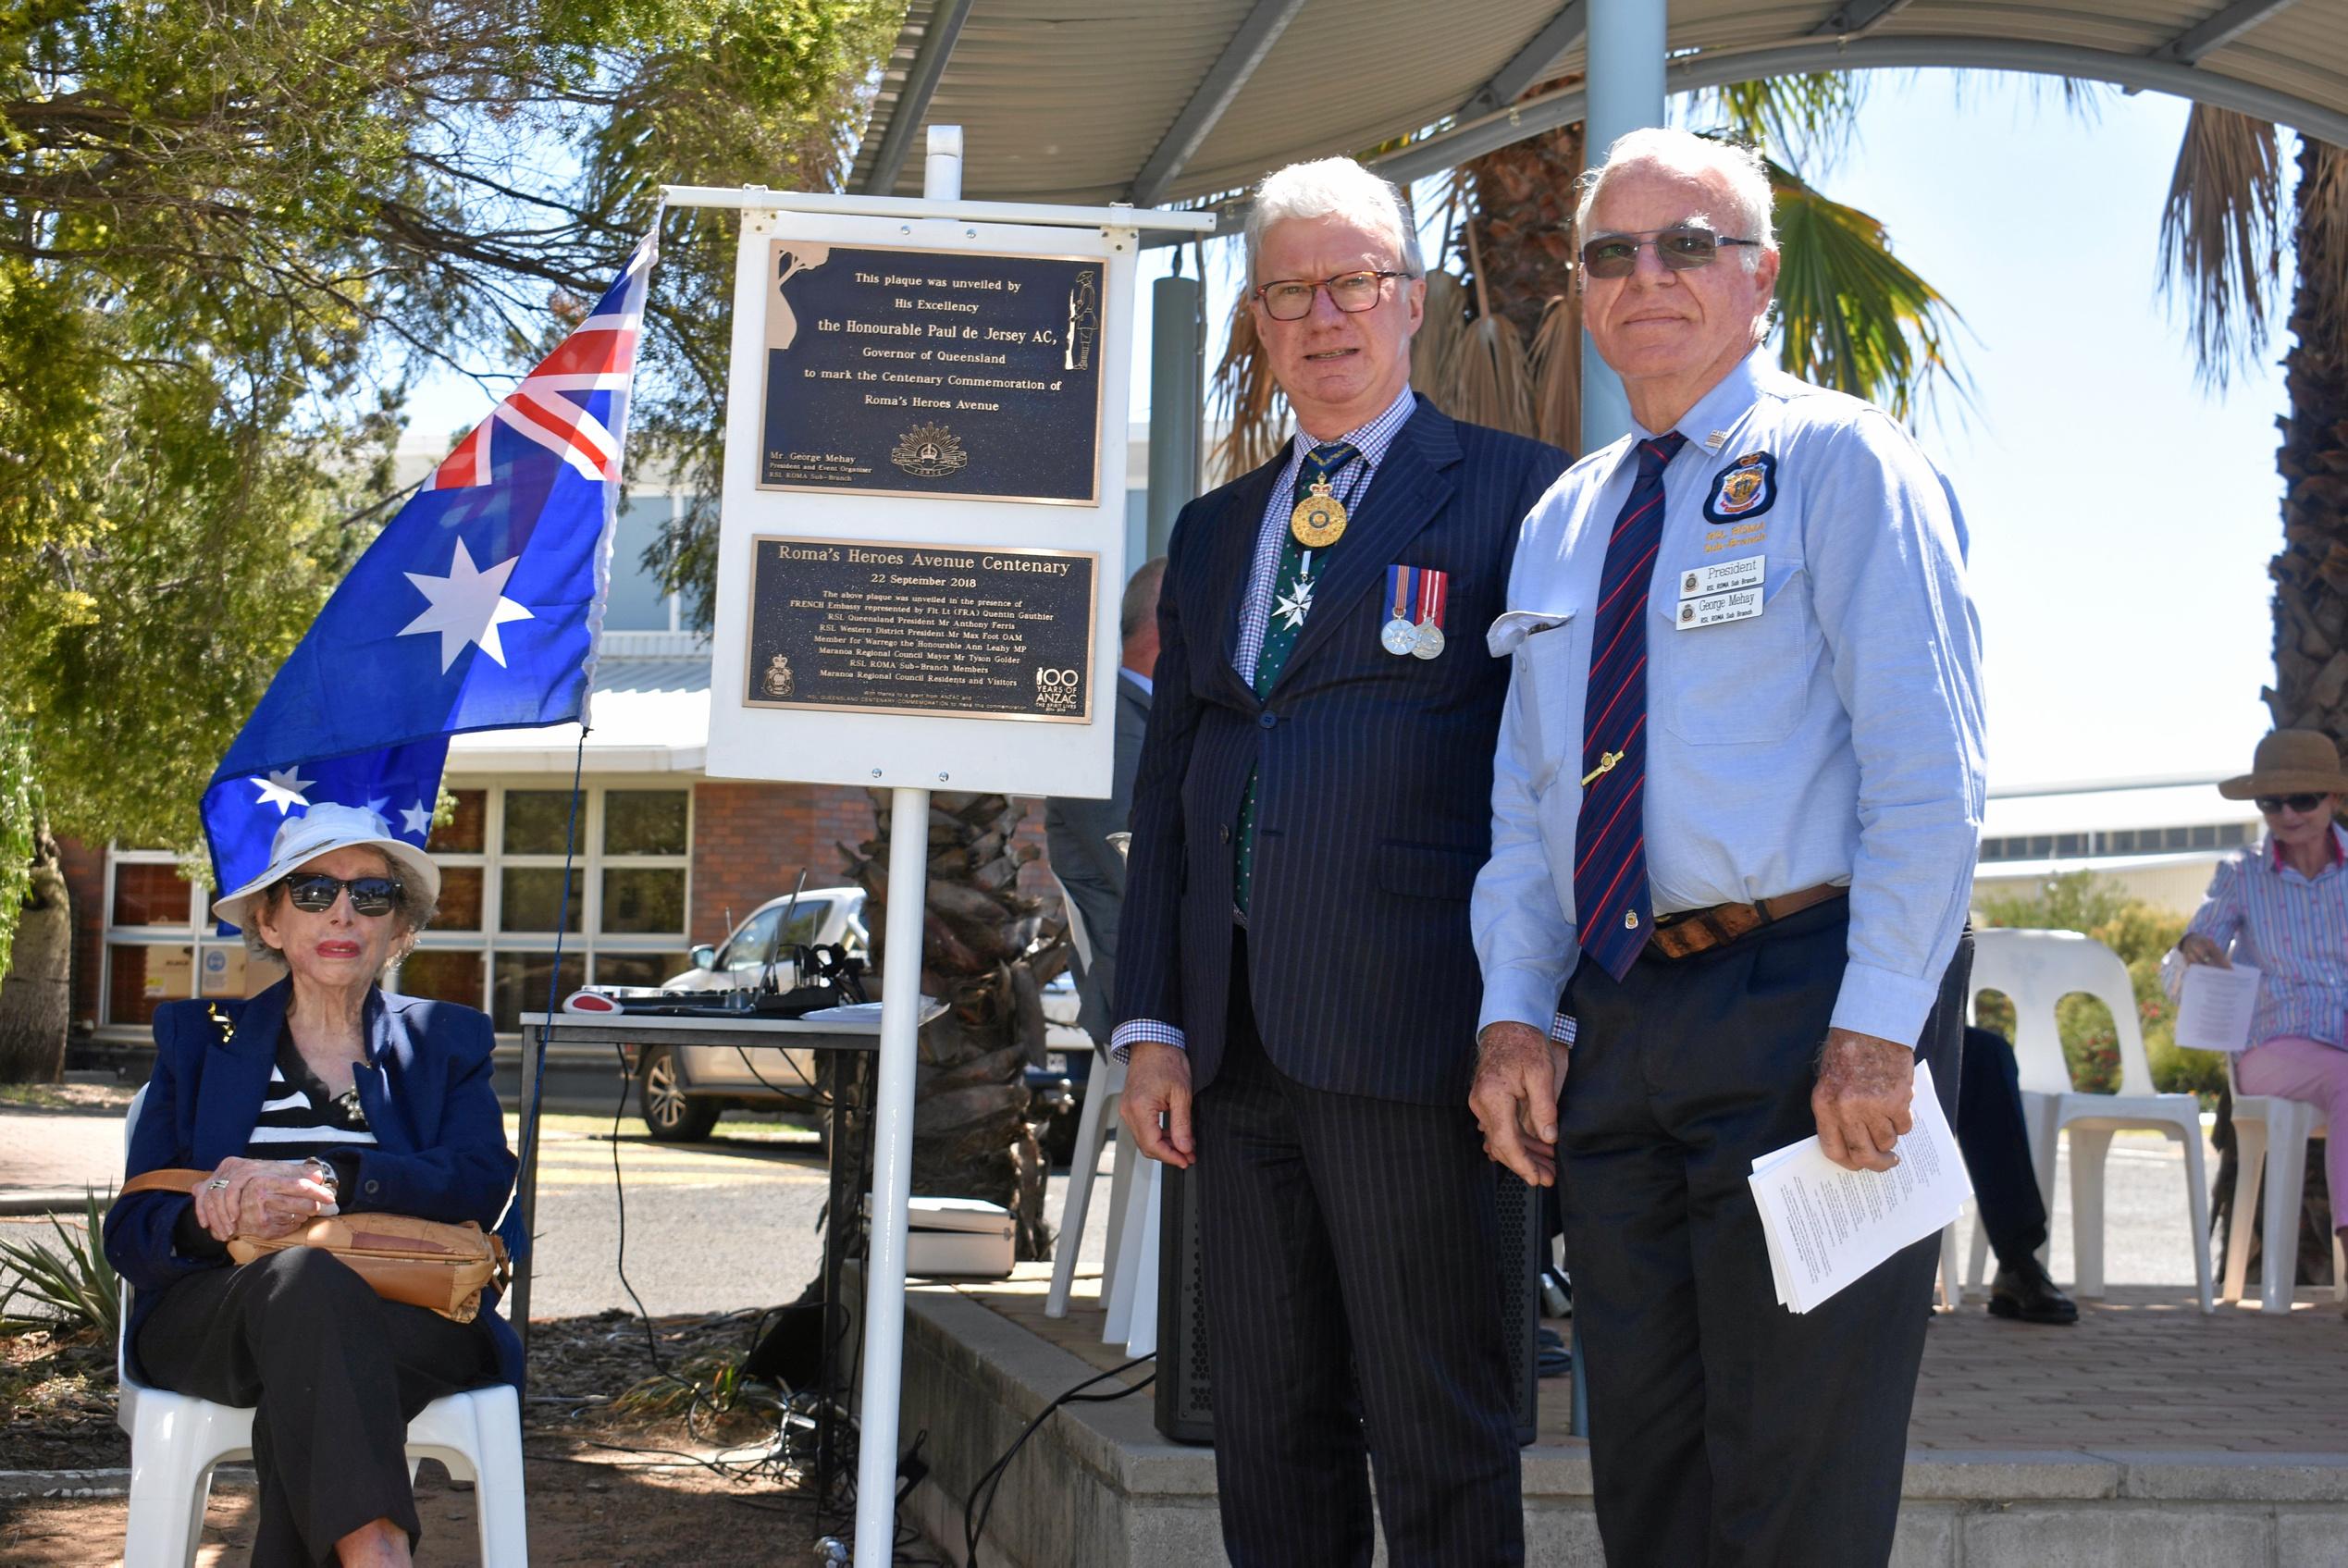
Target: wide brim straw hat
column 2291, row 762
column 322, row 829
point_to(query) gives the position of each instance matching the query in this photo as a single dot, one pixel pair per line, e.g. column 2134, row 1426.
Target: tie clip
column 1605, row 765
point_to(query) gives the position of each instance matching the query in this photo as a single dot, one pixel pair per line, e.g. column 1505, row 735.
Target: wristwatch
column 323, row 1174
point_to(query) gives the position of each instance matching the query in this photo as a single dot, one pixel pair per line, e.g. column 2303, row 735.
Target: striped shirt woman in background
column 2281, row 907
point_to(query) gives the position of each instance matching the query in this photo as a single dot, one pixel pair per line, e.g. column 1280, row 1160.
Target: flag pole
column 893, row 1120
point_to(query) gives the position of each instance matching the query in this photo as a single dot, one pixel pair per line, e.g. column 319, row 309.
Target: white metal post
column 1626, row 44
column 893, row 1115
column 892, row 1180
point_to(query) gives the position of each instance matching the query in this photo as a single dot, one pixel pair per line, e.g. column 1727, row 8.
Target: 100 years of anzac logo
column 929, row 452
column 1056, row 690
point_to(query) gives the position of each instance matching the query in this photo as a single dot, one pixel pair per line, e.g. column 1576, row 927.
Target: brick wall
column 749, row 841
column 86, row 874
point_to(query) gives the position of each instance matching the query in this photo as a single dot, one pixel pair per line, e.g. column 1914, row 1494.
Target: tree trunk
column 1520, row 211
column 35, row 1001
column 985, row 953
column 2311, row 573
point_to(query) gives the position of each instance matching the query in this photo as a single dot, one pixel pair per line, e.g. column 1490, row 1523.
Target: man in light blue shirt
column 1736, row 807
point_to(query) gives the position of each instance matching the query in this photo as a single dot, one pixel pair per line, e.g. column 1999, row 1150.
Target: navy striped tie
column 1611, row 898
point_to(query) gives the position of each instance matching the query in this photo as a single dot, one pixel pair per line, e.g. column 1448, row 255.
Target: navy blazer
column 431, row 1097
column 1374, row 806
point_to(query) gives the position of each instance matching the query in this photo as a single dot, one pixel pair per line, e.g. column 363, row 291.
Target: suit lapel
column 1234, row 564
column 236, row 1078
column 1411, row 485
column 389, row 1051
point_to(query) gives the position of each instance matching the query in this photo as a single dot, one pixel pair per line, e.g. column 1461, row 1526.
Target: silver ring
column 218, row 1182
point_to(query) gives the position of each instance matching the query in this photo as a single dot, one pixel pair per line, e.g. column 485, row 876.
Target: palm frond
column 1488, row 379
column 1557, row 372
column 1854, row 315
column 1805, row 118
column 1440, row 333
column 69, row 1282
column 2221, row 238
column 1245, row 400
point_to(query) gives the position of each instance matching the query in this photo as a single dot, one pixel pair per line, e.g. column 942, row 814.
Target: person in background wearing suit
column 1736, row 808
column 1296, row 987
column 1076, row 831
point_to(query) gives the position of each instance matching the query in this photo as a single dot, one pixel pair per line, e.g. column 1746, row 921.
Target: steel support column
column 1178, row 405
column 1625, row 77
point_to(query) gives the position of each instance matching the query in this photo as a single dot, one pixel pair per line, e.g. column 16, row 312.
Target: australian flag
column 478, row 607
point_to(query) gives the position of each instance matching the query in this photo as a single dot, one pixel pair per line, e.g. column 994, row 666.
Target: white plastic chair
column 2037, row 969
column 1093, row 1128
column 176, row 1439
column 2270, row 1149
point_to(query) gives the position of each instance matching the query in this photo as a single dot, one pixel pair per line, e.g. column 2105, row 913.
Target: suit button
column 374, row 1187
column 1267, row 719
column 1224, row 832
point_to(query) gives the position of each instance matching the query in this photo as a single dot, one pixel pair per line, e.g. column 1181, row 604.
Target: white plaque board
column 917, row 588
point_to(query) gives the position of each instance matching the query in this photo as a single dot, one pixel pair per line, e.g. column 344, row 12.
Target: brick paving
column 2141, row 1371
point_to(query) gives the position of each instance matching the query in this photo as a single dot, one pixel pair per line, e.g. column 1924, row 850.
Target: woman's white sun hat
column 324, row 829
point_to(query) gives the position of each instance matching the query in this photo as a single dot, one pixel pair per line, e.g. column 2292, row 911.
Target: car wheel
column 670, row 1114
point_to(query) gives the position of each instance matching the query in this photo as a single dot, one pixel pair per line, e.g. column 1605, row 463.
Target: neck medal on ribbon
column 1318, row 520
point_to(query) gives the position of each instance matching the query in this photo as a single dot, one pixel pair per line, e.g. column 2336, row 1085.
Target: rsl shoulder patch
column 1745, row 489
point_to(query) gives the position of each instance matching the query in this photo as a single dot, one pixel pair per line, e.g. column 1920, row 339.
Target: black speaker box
column 1185, row 1405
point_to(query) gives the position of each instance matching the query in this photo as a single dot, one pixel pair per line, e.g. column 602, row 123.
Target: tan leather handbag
column 421, row 1262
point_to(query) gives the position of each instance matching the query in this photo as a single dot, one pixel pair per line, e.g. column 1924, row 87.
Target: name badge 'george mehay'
column 1715, row 610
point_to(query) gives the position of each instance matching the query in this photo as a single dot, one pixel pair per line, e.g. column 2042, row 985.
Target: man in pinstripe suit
column 1298, row 991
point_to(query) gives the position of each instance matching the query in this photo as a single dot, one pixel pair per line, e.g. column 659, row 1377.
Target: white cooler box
column 963, row 1238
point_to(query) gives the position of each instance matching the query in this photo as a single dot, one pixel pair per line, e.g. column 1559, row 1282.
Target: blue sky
column 2121, row 515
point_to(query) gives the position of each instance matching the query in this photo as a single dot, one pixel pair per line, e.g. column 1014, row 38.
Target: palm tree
column 2222, row 235
column 987, row 953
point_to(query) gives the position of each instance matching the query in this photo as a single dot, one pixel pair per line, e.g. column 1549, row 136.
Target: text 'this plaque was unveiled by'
column 944, row 374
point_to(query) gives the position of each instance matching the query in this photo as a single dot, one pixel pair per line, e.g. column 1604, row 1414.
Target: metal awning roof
column 1088, row 100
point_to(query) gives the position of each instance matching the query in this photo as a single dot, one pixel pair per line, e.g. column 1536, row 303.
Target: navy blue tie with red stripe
column 1611, row 898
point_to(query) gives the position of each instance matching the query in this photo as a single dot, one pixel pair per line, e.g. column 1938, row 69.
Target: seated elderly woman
column 2283, row 908
column 322, row 1094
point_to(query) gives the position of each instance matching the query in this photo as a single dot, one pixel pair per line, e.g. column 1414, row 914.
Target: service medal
column 1427, row 639
column 1318, row 520
column 1400, row 636
column 1434, row 588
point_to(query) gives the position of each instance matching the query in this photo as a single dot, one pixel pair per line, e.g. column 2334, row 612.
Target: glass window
column 644, row 821
column 644, row 899
column 531, row 898
column 149, row 895
column 2178, row 838
column 462, row 835
column 638, row 969
column 537, row 822
column 459, row 899
column 807, row 922
column 2232, row 835
column 748, row 949
column 2070, row 843
column 2042, row 845
column 521, row 986
column 637, row 602
column 141, row 977
column 444, row 974
column 2206, row 837
column 2124, row 842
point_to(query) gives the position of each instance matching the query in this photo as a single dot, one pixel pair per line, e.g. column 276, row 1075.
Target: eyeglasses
column 2270, row 804
column 1291, row 299
column 1682, row 250
column 315, row 893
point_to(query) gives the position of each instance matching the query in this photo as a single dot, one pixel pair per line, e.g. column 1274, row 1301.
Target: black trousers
column 1726, row 1431
column 1996, row 1139
column 333, row 1372
column 1348, row 1251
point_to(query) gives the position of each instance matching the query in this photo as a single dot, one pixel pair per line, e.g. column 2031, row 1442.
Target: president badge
column 1745, row 489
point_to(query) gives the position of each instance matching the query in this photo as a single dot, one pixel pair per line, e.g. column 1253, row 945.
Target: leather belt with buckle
column 1690, row 932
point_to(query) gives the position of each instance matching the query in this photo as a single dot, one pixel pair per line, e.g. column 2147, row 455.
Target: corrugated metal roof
column 1064, row 100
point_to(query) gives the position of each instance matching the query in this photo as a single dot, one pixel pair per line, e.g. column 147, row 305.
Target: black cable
column 992, row 1480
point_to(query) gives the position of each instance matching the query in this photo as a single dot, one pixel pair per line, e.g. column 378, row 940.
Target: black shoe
column 2024, row 1291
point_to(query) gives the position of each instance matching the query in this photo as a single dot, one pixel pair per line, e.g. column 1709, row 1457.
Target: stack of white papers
column 2214, row 1008
column 1828, row 1226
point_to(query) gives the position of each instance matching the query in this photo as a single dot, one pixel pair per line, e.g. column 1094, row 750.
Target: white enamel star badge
column 468, row 606
column 283, row 789
column 1298, row 602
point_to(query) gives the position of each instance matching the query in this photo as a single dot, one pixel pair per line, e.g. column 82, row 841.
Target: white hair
column 1331, row 187
column 1681, row 152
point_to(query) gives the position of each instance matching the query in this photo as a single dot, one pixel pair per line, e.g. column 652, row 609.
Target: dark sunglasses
column 1681, row 250
column 2270, row 804
column 315, row 893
